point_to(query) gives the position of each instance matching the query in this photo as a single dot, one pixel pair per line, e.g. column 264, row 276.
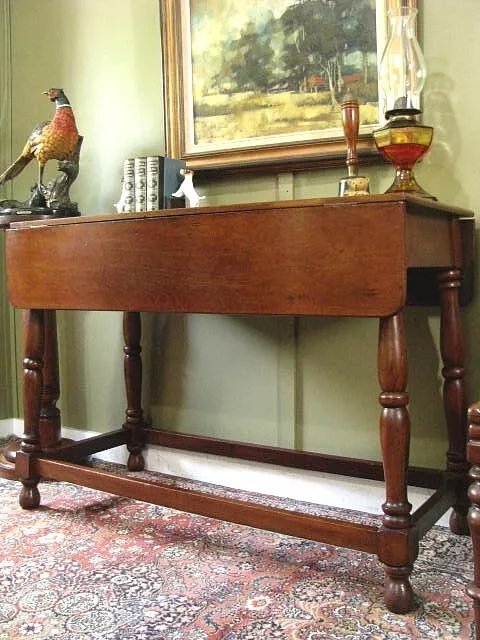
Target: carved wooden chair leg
column 474, row 512
column 34, row 341
column 454, row 395
column 133, row 386
column 395, row 548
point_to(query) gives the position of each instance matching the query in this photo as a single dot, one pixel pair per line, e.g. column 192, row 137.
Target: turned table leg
column 454, row 396
column 50, row 423
column 133, row 387
column 33, row 340
column 50, row 427
column 395, row 548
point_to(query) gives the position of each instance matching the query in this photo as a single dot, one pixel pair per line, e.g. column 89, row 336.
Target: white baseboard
column 9, row 426
column 298, row 484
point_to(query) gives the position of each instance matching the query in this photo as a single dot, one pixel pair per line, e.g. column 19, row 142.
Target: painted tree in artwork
column 251, row 60
column 320, row 32
column 358, row 21
column 318, row 38
column 362, row 35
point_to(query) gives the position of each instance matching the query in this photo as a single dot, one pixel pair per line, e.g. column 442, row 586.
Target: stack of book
column 149, row 182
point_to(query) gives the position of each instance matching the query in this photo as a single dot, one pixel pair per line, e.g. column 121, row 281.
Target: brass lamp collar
column 405, row 114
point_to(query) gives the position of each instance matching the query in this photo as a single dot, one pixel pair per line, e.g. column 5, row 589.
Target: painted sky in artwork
column 212, row 16
column 216, row 21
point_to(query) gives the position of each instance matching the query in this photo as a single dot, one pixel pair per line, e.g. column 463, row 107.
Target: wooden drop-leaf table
column 356, row 257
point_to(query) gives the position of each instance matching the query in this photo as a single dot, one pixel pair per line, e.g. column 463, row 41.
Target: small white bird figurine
column 187, row 189
column 120, row 205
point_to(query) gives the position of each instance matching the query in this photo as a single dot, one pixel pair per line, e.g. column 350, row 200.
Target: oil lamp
column 403, row 140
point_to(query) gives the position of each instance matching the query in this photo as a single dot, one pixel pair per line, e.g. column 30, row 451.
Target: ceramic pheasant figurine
column 53, row 139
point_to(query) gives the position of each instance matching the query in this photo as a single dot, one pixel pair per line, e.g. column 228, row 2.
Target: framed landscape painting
column 258, row 84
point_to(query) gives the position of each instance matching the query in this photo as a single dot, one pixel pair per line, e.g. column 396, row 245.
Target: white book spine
column 128, row 189
column 153, row 183
column 140, row 168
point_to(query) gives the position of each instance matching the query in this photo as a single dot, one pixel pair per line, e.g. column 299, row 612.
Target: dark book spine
column 163, row 179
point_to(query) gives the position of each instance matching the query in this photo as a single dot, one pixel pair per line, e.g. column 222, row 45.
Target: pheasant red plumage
column 58, row 138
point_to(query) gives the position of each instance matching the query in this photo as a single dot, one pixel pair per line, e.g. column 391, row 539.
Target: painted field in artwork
column 248, row 115
column 274, row 67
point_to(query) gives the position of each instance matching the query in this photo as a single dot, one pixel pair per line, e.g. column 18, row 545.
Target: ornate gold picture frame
column 257, row 85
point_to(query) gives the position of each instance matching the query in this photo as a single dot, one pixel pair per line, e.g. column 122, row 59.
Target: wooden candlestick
column 353, row 184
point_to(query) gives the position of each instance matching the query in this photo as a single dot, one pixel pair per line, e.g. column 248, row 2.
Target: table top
column 416, row 203
column 331, row 256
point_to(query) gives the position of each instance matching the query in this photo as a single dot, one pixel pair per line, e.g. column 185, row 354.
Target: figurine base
column 19, row 212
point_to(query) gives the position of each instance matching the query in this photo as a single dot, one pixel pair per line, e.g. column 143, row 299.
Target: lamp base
column 405, row 181
column 403, row 142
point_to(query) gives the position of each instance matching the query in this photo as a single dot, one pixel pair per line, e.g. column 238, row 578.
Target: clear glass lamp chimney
column 402, row 66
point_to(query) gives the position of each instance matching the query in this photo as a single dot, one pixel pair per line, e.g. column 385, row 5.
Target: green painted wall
column 6, row 356
column 233, row 376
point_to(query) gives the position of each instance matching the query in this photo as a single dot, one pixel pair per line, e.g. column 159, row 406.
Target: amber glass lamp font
column 403, row 140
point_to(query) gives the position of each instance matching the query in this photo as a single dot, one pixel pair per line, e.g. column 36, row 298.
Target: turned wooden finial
column 353, row 184
column 351, row 124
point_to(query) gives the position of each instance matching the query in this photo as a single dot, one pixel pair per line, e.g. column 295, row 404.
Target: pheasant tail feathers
column 13, row 170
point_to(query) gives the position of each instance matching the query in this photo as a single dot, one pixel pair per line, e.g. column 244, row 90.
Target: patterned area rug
column 90, row 566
